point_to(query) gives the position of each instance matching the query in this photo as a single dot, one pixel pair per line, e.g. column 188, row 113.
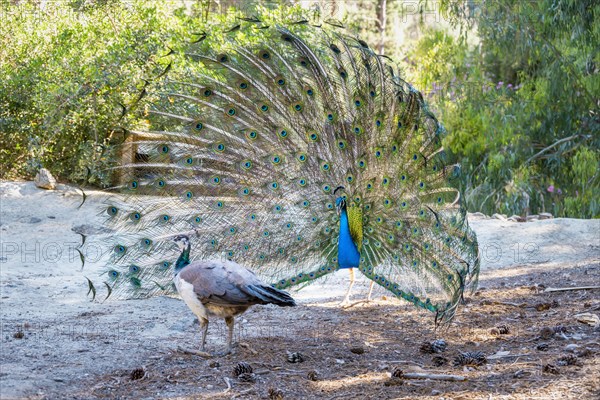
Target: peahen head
column 184, row 245
column 182, row 241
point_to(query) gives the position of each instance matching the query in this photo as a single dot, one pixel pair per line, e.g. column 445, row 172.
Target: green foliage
column 520, row 106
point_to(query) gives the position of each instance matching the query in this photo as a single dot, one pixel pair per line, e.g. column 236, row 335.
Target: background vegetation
column 516, row 83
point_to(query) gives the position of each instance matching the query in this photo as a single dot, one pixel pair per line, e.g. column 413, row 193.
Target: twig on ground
column 565, row 289
column 438, row 377
column 194, row 352
column 226, row 379
column 247, row 347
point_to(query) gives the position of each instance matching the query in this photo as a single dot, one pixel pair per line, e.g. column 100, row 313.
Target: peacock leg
column 204, row 328
column 370, row 291
column 347, row 298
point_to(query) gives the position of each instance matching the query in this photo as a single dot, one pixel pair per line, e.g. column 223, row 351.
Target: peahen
column 223, row 289
column 294, row 151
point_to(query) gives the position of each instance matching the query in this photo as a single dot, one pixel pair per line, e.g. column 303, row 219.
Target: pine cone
column 437, row 346
column 275, row 394
column 438, row 361
column 397, row 373
column 569, row 359
column 137, row 373
column 295, row 357
column 503, row 329
column 474, row 359
column 242, row 368
column 542, row 346
column 560, row 329
column 312, row 375
column 551, row 369
column 247, row 377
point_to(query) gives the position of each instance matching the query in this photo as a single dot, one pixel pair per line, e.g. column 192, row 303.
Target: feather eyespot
column 134, row 269
column 246, row 164
column 207, row 92
column 276, row 160
column 112, row 211
column 302, row 182
column 274, row 185
column 298, row 107
column 189, row 195
column 243, row 85
column 313, row 137
column 326, row 188
column 223, row 58
column 113, row 274
column 252, row 135
column 135, row 216
column 245, row 191
column 265, row 55
column 301, row 157
column 120, row 249
column 357, row 130
column 310, row 92
column 283, row 133
column 231, row 112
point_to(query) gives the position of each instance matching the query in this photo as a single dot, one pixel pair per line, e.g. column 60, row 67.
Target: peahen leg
column 229, row 321
column 204, row 328
column 347, row 298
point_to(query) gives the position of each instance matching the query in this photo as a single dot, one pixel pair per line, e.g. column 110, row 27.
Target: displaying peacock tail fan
column 246, row 144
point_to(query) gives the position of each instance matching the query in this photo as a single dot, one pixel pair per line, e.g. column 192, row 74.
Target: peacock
column 223, row 289
column 294, row 150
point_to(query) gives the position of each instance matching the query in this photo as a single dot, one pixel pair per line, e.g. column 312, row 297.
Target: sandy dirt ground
column 56, row 343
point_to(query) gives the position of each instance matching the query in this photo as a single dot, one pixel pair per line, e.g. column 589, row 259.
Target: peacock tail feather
column 242, row 147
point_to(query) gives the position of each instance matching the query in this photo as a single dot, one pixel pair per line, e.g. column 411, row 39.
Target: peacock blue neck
column 348, row 254
column 183, row 260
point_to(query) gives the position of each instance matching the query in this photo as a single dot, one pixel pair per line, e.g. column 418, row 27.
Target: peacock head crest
column 340, row 201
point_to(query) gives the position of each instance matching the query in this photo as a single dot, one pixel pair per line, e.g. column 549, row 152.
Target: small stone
column 34, row 220
column 571, row 347
column 546, row 216
column 500, row 217
column 532, row 218
column 357, row 350
column 547, row 333
column 45, row 180
column 214, row 364
column 210, row 387
column 19, row 335
column 588, row 319
column 516, row 218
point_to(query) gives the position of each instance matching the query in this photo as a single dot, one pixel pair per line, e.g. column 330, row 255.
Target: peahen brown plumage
column 222, row 289
column 294, row 154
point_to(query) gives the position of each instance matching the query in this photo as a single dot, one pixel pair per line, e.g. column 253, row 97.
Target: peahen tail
column 247, row 144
